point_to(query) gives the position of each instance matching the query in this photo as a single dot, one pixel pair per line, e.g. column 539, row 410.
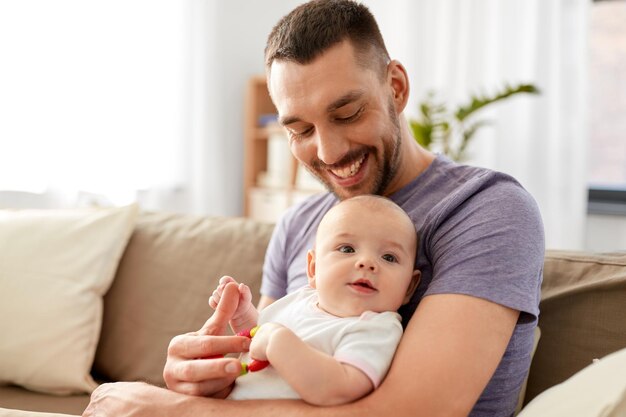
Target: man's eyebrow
column 347, row 98
column 284, row 121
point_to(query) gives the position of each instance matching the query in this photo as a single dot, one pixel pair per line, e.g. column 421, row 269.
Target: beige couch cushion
column 582, row 315
column 55, row 266
column 599, row 390
column 170, row 268
column 17, row 398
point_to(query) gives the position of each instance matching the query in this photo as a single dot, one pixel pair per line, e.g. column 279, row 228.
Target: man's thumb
column 217, row 323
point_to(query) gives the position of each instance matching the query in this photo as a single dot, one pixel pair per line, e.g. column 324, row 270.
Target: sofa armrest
column 582, row 310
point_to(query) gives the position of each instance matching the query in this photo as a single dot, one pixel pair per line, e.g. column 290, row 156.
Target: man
column 469, row 326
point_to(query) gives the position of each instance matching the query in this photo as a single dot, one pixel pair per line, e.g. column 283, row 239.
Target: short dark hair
column 312, row 28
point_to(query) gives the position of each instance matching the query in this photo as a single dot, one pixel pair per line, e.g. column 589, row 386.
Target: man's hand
column 195, row 365
column 130, row 399
column 246, row 315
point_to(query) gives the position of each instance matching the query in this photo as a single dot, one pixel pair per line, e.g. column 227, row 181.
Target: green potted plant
column 452, row 131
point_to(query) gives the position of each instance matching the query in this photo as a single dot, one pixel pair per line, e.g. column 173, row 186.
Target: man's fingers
column 217, row 323
column 214, row 299
column 219, row 388
column 228, row 304
column 200, row 346
column 202, row 370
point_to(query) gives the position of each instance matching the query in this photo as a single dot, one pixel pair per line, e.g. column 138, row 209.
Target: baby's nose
column 366, row 264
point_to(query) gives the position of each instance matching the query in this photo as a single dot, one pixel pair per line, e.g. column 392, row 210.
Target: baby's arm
column 246, row 315
column 317, row 377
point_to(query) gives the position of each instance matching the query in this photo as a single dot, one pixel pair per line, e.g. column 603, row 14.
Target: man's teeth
column 350, row 170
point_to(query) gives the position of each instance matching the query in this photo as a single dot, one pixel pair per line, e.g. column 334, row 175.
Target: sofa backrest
column 170, row 268
column 173, row 262
column 582, row 315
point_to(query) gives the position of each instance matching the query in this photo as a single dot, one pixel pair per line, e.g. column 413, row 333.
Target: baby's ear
column 310, row 267
column 415, row 280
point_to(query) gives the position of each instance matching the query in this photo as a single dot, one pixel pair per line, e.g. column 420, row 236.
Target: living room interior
column 163, row 104
column 158, row 115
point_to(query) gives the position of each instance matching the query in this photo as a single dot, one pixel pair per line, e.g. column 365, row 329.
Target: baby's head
column 364, row 257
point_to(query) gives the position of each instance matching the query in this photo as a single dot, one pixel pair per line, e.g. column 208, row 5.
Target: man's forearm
column 208, row 407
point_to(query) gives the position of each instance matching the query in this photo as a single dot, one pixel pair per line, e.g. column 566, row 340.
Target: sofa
column 159, row 270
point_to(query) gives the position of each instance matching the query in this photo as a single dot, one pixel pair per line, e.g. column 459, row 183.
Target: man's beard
column 389, row 161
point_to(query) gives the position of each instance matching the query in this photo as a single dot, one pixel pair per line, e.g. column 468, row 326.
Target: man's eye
column 389, row 258
column 350, row 118
column 300, row 135
column 346, row 249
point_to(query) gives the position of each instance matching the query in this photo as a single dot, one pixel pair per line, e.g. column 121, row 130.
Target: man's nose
column 331, row 147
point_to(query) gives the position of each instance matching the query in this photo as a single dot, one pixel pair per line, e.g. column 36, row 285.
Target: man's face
column 340, row 119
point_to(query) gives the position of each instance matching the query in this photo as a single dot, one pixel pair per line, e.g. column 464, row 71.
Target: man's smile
column 350, row 175
column 349, row 171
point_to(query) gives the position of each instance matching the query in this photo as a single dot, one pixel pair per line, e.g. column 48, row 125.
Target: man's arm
column 447, row 355
column 449, row 351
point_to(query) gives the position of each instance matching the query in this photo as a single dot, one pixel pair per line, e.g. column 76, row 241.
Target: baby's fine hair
column 377, row 202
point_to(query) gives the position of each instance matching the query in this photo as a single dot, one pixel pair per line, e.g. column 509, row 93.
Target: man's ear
column 310, row 267
column 415, row 280
column 399, row 82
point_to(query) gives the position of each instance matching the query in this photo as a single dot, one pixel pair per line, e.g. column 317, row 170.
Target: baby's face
column 363, row 259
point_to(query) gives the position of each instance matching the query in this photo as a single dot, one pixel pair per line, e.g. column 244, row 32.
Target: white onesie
column 367, row 342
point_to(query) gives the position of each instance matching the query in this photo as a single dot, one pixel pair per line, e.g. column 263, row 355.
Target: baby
column 332, row 341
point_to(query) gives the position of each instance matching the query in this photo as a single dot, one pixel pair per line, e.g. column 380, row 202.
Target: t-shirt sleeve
column 370, row 343
column 491, row 246
column 274, row 282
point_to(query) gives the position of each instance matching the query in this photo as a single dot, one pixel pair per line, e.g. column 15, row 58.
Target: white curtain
column 128, row 100
column 109, row 102
column 143, row 99
column 458, row 47
column 91, row 98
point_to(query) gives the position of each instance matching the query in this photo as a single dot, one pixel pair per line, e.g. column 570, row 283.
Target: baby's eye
column 389, row 258
column 346, row 249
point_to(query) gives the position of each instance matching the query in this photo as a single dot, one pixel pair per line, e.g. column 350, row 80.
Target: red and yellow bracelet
column 255, row 365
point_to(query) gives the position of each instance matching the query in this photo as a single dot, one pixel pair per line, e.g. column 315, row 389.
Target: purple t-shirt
column 480, row 234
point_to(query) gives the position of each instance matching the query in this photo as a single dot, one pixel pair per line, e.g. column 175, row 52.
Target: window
column 91, row 95
column 607, row 106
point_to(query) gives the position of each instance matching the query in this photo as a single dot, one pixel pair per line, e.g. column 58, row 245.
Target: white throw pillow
column 599, row 390
column 55, row 267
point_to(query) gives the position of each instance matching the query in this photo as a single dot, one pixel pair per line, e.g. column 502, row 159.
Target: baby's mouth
column 364, row 284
